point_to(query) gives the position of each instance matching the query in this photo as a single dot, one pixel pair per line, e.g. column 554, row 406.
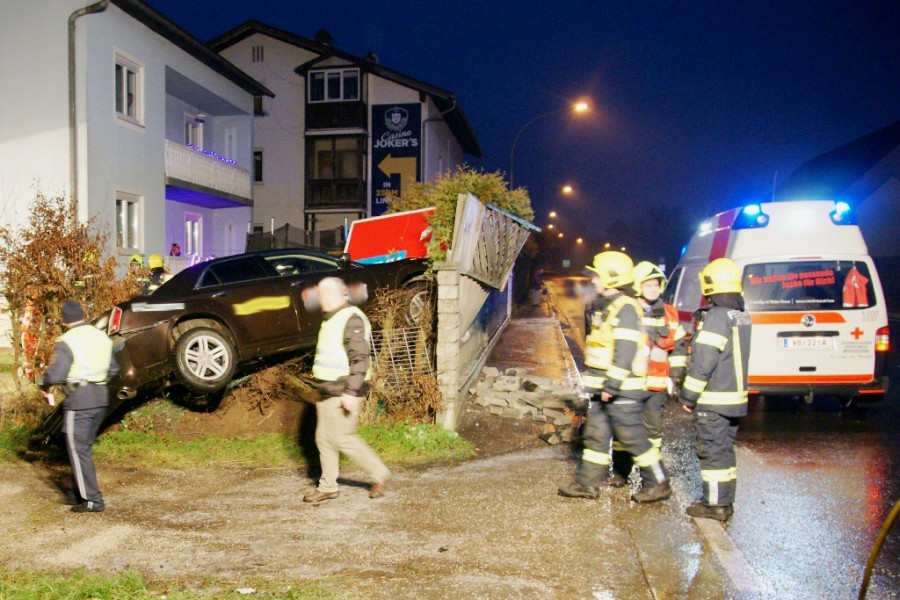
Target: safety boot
column 702, row 510
column 573, row 489
column 658, row 492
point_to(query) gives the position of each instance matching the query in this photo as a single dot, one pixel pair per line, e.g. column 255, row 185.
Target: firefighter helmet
column 136, row 259
column 613, row 268
column 155, row 261
column 721, row 276
column 646, row 271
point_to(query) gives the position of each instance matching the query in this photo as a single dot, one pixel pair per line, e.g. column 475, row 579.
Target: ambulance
column 820, row 323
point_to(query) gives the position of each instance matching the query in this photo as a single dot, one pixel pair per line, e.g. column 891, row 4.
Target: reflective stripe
column 695, row 385
column 617, row 446
column 620, row 333
column 633, row 383
column 648, row 458
column 676, row 362
column 722, row 398
column 618, row 373
column 657, row 383
column 598, row 458
column 656, row 441
column 722, row 475
column 593, row 381
column 711, row 339
column 738, row 363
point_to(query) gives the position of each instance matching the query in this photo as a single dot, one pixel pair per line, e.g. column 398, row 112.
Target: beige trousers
column 336, row 433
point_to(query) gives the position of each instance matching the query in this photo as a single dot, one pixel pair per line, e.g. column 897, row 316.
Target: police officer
column 84, row 361
column 342, row 372
column 616, row 368
column 668, row 359
column 715, row 388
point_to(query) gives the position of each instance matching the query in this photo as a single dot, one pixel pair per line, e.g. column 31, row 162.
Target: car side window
column 300, row 265
column 233, row 271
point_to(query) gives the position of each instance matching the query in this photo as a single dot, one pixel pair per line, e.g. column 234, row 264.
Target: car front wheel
column 204, row 360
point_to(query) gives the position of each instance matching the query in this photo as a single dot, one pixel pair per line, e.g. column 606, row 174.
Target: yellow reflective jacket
column 331, row 362
column 616, row 351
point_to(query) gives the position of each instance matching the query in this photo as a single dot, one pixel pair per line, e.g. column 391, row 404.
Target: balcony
column 193, row 177
column 336, row 193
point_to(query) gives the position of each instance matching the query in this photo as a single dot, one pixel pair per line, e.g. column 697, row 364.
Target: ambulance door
column 684, row 293
column 814, row 322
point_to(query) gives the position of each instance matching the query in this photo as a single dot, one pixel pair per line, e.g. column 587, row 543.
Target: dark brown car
column 210, row 318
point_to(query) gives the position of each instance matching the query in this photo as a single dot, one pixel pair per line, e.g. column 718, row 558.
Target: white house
column 144, row 125
column 342, row 133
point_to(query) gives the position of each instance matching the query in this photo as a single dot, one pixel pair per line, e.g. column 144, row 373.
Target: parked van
column 820, row 323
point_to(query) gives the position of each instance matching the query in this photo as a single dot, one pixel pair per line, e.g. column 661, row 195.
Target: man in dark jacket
column 715, row 389
column 342, row 372
column 84, row 361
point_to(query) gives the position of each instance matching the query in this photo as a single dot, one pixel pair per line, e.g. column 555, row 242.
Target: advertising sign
column 390, row 237
column 396, row 150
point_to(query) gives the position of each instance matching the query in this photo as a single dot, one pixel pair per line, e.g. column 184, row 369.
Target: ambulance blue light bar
column 842, row 214
column 750, row 217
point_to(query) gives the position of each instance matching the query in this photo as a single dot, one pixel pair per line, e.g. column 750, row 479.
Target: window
column 334, row 86
column 128, row 89
column 258, row 108
column 193, row 234
column 301, row 264
column 128, row 217
column 193, row 131
column 335, row 172
column 256, row 54
column 233, row 271
column 808, row 286
column 257, row 166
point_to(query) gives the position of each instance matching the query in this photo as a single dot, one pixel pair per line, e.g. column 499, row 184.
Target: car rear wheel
column 205, row 359
column 419, row 302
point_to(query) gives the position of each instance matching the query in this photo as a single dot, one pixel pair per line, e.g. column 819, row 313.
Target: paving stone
column 512, row 412
column 495, row 400
column 492, row 372
column 506, row 383
column 550, row 438
column 496, row 410
column 553, row 414
column 516, row 372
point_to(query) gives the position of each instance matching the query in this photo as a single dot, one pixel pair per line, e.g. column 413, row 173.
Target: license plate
column 807, row 343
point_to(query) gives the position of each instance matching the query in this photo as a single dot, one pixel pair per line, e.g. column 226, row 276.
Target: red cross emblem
column 857, row 332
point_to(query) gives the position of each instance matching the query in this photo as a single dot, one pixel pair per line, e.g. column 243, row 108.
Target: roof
column 444, row 100
column 159, row 24
column 831, row 174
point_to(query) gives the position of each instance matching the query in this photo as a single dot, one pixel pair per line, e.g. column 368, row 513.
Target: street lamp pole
column 579, row 107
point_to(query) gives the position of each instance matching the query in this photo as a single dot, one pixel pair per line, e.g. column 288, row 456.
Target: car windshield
column 808, row 285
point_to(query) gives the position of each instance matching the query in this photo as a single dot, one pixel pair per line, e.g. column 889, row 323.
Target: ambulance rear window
column 808, row 285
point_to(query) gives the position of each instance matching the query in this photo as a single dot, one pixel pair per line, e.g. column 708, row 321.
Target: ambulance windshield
column 808, row 285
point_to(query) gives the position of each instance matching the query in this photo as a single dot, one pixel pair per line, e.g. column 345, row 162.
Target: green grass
column 78, row 585
column 398, row 444
column 13, row 439
column 6, row 362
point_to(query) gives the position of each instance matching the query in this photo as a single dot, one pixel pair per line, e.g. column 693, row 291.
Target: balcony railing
column 185, row 164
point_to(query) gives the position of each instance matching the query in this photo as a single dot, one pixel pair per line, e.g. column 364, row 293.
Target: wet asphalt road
column 815, row 486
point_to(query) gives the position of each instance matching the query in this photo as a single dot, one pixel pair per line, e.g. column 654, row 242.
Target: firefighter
column 668, row 359
column 157, row 273
column 616, row 355
column 715, row 389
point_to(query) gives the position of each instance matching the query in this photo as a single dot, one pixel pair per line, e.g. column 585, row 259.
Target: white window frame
column 134, row 113
column 129, row 221
column 342, row 73
column 193, row 233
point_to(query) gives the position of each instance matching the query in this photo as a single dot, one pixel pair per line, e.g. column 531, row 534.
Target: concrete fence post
column 448, row 342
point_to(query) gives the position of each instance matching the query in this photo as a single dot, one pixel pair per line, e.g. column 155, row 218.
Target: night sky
column 697, row 106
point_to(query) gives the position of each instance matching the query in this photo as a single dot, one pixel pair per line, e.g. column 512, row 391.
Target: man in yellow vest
column 84, row 361
column 342, row 372
column 616, row 357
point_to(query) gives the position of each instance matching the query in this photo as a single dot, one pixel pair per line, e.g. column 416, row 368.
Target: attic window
column 335, row 85
column 256, row 54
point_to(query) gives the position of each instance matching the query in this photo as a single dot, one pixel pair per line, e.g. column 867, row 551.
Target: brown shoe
column 317, row 496
column 377, row 490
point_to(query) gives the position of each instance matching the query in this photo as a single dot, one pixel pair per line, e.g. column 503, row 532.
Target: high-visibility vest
column 91, row 351
column 658, row 368
column 600, row 344
column 331, row 362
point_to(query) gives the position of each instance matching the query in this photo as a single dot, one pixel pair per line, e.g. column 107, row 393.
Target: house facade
column 342, row 133
column 118, row 107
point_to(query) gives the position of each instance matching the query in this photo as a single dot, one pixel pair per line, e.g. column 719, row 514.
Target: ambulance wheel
column 205, row 359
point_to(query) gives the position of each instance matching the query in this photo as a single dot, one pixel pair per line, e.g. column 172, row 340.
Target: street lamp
column 552, row 214
column 567, row 189
column 577, row 108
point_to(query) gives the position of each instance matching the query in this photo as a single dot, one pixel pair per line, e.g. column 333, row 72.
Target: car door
column 256, row 306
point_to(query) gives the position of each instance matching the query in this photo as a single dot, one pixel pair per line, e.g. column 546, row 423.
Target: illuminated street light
column 552, row 214
column 550, row 226
column 579, row 107
column 623, row 248
column 579, row 241
column 560, row 235
column 567, row 189
column 606, row 245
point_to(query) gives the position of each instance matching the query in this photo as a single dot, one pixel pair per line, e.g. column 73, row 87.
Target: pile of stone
column 515, row 394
